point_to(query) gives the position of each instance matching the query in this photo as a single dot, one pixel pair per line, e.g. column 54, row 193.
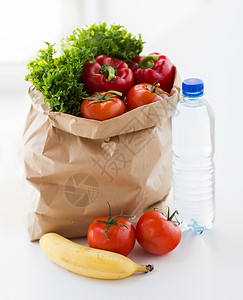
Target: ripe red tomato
column 144, row 93
column 156, row 233
column 102, row 106
column 115, row 234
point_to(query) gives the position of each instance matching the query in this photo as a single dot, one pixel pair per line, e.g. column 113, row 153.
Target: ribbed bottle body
column 193, row 163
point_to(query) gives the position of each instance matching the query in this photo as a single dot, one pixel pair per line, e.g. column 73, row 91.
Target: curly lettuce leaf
column 58, row 78
column 113, row 40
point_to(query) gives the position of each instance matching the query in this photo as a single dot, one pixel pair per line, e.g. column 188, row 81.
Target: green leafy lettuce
column 58, row 78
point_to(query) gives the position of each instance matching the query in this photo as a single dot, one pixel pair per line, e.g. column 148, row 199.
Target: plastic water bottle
column 193, row 158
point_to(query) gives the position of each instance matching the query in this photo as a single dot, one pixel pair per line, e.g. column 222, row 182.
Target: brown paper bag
column 76, row 165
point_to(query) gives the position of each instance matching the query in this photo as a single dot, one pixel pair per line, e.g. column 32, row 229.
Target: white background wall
column 26, row 24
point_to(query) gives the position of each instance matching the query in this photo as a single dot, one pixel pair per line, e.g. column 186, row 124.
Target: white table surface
column 201, row 267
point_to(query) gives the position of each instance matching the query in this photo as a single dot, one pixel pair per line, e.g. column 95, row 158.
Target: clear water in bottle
column 193, row 158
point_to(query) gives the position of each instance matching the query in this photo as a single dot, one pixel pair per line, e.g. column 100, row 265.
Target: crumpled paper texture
column 75, row 165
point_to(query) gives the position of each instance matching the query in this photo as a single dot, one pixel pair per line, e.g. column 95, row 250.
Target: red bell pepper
column 152, row 68
column 107, row 73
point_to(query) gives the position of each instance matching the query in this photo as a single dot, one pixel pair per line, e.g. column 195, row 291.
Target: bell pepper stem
column 111, row 74
column 148, row 61
column 109, row 71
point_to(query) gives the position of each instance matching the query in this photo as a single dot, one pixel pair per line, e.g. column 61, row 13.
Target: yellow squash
column 88, row 261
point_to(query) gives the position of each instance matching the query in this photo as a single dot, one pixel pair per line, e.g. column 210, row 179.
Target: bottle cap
column 192, row 87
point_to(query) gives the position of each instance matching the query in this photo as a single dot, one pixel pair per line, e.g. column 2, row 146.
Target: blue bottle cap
column 192, row 87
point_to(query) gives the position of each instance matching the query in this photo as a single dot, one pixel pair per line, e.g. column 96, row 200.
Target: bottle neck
column 193, row 99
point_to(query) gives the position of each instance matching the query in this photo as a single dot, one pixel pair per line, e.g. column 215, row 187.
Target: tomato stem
column 113, row 221
column 170, row 217
column 103, row 98
column 153, row 88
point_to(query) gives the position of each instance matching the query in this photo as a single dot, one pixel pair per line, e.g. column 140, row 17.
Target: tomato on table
column 102, row 106
column 113, row 233
column 158, row 234
column 144, row 93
